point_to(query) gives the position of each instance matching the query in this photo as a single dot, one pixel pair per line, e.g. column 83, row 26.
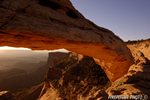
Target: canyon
column 24, row 74
column 77, row 77
column 118, row 68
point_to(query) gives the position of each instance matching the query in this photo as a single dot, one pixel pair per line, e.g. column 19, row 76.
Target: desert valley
column 97, row 64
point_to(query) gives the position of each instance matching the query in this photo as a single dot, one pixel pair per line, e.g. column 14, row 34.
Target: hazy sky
column 129, row 19
column 27, row 50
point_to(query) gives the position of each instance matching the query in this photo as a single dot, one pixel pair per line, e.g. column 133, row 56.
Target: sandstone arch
column 54, row 24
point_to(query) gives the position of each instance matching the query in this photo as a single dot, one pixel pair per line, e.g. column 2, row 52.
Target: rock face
column 136, row 81
column 75, row 78
column 55, row 24
column 143, row 46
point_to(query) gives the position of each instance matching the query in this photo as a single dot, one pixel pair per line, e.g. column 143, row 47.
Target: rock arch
column 55, row 24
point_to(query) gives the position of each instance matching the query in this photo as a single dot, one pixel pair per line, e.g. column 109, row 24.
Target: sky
column 7, row 48
column 128, row 19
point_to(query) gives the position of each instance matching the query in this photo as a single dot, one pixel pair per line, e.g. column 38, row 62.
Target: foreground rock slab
column 136, row 82
column 55, row 24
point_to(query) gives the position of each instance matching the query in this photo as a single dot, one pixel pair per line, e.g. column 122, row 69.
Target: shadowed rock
column 75, row 78
column 6, row 95
column 54, row 24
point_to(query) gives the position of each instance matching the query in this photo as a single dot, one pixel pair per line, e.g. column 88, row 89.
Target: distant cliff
column 54, row 57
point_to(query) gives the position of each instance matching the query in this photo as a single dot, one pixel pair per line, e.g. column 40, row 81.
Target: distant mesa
column 25, row 74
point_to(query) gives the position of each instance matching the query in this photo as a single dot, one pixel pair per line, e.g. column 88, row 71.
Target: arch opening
column 21, row 68
column 27, row 70
column 34, row 29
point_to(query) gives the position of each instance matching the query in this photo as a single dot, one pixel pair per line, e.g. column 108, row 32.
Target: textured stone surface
column 143, row 46
column 55, row 24
column 136, row 81
column 75, row 78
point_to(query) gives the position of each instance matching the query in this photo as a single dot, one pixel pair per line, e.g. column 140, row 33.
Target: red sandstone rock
column 136, row 81
column 54, row 24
